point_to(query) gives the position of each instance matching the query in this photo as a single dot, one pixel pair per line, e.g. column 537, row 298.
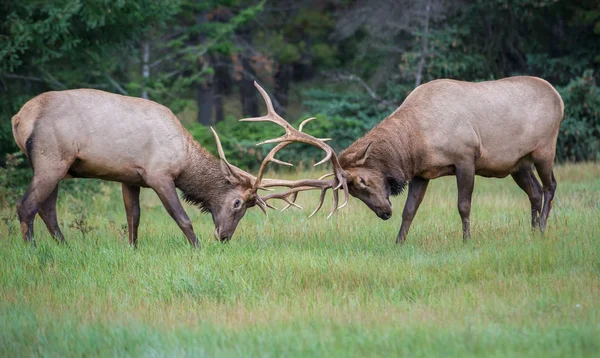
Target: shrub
column 579, row 137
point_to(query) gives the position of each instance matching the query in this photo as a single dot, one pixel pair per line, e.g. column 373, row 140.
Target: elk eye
column 237, row 203
column 362, row 181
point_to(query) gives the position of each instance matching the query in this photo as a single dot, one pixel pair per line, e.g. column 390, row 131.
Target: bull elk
column 448, row 127
column 88, row 133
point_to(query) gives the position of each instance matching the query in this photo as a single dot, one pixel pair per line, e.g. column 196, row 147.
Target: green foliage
column 347, row 115
column 35, row 33
column 284, row 51
column 342, row 117
column 59, row 45
column 325, row 55
column 9, row 106
column 579, row 137
column 449, row 56
column 301, row 32
column 14, row 177
column 181, row 64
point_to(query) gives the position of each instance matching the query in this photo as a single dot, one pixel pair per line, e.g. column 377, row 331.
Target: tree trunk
column 146, row 69
column 247, row 89
column 222, row 83
column 283, row 77
column 218, row 104
column 204, row 89
column 424, row 50
column 223, row 79
column 204, row 98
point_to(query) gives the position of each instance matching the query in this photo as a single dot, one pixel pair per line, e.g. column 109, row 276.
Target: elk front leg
column 131, row 198
column 465, row 179
column 168, row 195
column 416, row 192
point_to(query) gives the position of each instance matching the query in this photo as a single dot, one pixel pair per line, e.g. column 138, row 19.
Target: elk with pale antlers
column 88, row 133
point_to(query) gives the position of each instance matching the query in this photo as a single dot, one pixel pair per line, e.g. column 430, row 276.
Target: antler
column 239, row 172
column 296, row 186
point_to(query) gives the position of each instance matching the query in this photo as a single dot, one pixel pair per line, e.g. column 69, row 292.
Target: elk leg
column 416, row 192
column 168, row 195
column 526, row 180
column 544, row 169
column 40, row 188
column 465, row 179
column 47, row 212
column 131, row 198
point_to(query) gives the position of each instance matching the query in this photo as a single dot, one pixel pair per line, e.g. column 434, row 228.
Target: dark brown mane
column 393, row 152
column 202, row 183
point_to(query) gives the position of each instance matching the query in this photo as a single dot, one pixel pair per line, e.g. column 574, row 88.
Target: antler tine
column 235, row 169
column 305, row 122
column 270, row 158
column 321, row 200
column 335, row 203
column 262, row 205
column 284, row 196
column 293, row 199
column 294, row 193
column 271, row 115
column 296, row 135
column 291, row 134
column 219, row 146
column 345, row 187
column 327, row 157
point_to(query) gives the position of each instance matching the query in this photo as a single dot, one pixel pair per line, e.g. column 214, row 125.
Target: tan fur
column 95, row 134
column 111, row 136
column 493, row 128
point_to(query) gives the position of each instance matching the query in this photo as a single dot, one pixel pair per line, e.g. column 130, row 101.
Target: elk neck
column 202, row 181
column 396, row 150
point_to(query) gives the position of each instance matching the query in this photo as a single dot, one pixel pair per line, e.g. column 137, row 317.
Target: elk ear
column 361, row 159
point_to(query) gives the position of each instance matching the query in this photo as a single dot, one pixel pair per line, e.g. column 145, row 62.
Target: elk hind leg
column 526, row 180
column 544, row 168
column 44, row 182
column 47, row 212
column 465, row 180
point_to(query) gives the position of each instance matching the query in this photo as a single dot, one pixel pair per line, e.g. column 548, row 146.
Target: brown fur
column 448, row 127
column 94, row 134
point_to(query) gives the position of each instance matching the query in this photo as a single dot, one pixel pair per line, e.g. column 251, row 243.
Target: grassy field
column 293, row 286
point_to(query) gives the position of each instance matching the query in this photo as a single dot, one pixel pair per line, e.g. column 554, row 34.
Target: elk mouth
column 385, row 215
column 218, row 236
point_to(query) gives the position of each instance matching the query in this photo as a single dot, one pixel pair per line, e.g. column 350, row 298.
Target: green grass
column 293, row 286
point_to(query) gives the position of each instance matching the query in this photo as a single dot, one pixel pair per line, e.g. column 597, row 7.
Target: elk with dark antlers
column 94, row 134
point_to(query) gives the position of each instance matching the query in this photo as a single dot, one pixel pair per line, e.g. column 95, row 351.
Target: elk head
column 367, row 182
column 233, row 202
column 244, row 194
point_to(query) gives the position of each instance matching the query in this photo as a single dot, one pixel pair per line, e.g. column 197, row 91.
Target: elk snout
column 221, row 236
column 385, row 214
column 384, row 211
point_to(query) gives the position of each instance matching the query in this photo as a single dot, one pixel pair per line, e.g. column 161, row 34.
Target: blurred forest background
column 348, row 62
